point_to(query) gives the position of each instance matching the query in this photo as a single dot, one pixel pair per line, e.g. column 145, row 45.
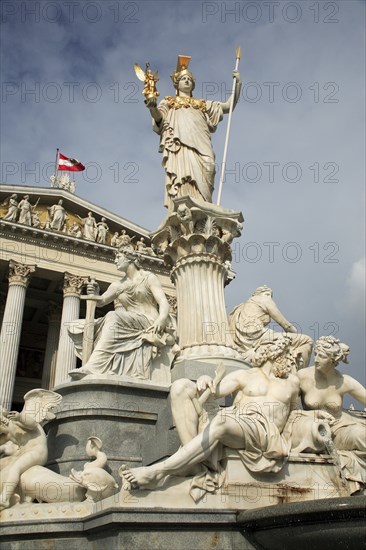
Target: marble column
column 19, row 276
column 196, row 241
column 53, row 335
column 66, row 358
column 199, row 279
column 2, row 306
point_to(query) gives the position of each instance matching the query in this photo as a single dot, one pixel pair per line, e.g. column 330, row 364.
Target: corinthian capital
column 195, row 228
column 19, row 274
column 73, row 284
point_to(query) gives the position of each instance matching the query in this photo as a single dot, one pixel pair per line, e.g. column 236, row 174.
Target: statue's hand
column 236, row 75
column 151, row 103
column 205, row 382
column 14, row 415
column 93, row 288
column 4, row 421
column 323, row 415
column 157, row 327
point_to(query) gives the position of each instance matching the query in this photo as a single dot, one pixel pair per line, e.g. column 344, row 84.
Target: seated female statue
column 124, row 339
column 322, row 388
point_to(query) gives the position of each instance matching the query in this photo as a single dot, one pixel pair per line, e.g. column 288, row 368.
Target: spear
column 223, row 166
column 35, row 206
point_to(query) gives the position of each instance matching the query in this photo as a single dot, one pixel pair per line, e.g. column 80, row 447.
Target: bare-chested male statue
column 263, row 398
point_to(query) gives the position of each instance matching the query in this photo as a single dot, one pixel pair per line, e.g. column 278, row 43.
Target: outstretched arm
column 229, row 384
column 109, row 295
column 235, row 97
column 277, row 316
column 355, row 389
column 162, row 302
column 151, row 104
column 106, row 298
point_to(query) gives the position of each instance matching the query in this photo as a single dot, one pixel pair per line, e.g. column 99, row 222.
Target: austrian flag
column 72, row 165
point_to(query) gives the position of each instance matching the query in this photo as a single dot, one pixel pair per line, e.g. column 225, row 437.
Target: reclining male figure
column 263, row 398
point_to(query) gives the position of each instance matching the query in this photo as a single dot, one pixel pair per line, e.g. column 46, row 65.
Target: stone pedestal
column 126, row 521
column 195, row 239
column 122, row 413
column 19, row 275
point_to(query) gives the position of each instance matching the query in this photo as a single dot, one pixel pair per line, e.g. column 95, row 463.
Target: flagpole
column 238, row 55
column 56, row 165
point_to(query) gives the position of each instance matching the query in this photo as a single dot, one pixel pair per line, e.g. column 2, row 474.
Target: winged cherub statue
column 23, row 442
column 149, row 79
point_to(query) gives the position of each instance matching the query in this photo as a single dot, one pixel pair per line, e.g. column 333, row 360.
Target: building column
column 199, row 280
column 2, row 306
column 66, row 358
column 53, row 335
column 195, row 239
column 19, row 276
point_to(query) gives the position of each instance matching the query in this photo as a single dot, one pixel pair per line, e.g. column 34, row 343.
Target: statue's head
column 184, row 83
column 278, row 353
column 126, row 256
column 331, row 348
column 263, row 290
column 183, row 79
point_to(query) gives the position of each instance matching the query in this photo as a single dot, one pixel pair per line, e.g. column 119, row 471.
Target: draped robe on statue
column 58, row 217
column 121, row 344
column 185, row 141
column 349, row 437
column 264, row 450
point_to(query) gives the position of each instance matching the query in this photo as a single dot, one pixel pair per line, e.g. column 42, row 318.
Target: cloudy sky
column 297, row 147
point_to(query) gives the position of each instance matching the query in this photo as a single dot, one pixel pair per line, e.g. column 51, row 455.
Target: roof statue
column 63, row 181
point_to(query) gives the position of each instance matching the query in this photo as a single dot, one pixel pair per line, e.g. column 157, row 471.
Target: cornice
column 66, row 243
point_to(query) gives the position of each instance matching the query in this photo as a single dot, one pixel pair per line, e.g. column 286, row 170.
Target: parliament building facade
column 47, row 257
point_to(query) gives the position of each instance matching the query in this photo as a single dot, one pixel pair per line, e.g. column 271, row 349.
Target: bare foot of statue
column 136, row 478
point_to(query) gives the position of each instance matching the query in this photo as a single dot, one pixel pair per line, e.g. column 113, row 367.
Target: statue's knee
column 181, row 388
column 218, row 426
column 110, row 315
column 358, row 436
